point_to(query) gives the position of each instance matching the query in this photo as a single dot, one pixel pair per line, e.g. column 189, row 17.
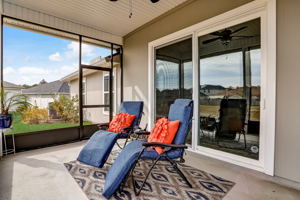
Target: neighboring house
column 12, row 89
column 95, row 88
column 211, row 89
column 44, row 94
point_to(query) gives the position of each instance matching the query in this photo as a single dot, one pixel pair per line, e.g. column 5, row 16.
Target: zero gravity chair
column 124, row 165
column 97, row 149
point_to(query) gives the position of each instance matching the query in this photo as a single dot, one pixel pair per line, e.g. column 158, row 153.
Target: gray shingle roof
column 11, row 85
column 55, row 87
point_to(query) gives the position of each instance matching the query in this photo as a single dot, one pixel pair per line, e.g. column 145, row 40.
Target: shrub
column 34, row 115
column 67, row 108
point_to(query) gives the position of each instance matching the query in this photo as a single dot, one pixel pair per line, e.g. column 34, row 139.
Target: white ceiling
column 104, row 15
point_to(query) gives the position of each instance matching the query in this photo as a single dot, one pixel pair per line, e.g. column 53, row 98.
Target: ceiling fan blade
column 154, row 1
column 239, row 29
column 211, row 40
column 243, row 36
column 217, row 33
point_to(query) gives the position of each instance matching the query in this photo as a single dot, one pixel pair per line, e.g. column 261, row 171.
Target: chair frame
column 161, row 157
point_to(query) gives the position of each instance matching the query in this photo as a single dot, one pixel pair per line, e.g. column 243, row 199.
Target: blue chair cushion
column 133, row 108
column 98, row 148
column 121, row 167
column 181, row 110
column 183, row 102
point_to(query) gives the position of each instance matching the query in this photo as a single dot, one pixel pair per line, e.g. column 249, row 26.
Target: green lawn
column 20, row 127
column 213, row 111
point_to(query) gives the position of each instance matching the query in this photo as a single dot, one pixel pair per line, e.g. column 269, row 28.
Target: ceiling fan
column 226, row 35
column 130, row 6
column 153, row 1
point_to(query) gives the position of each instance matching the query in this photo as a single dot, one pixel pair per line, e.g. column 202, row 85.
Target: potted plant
column 8, row 101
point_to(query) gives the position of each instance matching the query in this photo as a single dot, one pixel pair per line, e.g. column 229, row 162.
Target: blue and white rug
column 163, row 183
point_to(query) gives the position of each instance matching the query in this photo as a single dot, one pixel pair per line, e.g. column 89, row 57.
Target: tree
column 42, row 82
column 11, row 100
column 67, row 108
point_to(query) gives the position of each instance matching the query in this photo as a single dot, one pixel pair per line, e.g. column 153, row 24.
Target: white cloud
column 73, row 50
column 34, row 74
column 8, row 70
column 32, row 70
column 31, row 74
column 55, row 57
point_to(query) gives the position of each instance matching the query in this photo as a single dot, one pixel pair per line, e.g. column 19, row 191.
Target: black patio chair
column 232, row 120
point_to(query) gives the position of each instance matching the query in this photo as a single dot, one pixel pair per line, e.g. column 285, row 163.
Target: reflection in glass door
column 229, row 96
column 173, row 76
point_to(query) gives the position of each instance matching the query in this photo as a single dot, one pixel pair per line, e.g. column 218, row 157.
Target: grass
column 20, row 127
column 213, row 111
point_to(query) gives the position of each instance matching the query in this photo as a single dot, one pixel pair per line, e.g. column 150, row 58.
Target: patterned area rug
column 163, row 182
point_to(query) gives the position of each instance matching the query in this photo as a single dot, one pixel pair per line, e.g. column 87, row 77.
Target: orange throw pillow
column 120, row 121
column 164, row 131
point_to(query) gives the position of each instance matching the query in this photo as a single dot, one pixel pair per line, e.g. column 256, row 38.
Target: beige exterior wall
column 94, row 95
column 287, row 162
column 41, row 101
column 287, row 149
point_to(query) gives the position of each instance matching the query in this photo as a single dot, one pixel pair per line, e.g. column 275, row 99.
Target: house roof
column 9, row 85
column 98, row 61
column 55, row 87
column 212, row 87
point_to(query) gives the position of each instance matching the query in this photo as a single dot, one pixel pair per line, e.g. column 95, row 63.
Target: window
column 84, row 90
column 106, row 92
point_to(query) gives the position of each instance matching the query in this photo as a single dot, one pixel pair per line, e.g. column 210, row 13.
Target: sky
column 225, row 70
column 30, row 57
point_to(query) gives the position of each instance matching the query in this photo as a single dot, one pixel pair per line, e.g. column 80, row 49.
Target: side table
column 7, row 151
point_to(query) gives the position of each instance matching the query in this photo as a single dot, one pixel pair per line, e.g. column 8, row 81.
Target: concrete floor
column 41, row 175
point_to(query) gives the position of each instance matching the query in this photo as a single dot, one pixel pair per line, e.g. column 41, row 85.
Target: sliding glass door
column 228, row 91
column 229, row 95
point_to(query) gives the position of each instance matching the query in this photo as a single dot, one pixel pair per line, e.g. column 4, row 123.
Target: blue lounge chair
column 124, row 165
column 99, row 146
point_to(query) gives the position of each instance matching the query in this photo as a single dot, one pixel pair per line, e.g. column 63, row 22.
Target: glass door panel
column 173, row 76
column 229, row 96
column 167, row 86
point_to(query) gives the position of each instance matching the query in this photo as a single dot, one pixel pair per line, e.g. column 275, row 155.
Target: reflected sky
column 225, row 70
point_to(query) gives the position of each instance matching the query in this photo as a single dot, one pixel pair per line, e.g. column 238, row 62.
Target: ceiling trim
column 169, row 12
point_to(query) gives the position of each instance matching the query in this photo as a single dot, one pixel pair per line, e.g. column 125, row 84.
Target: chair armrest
column 142, row 132
column 158, row 144
column 103, row 126
column 127, row 130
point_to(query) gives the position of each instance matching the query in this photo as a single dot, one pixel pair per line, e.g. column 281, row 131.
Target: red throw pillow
column 164, row 131
column 120, row 121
